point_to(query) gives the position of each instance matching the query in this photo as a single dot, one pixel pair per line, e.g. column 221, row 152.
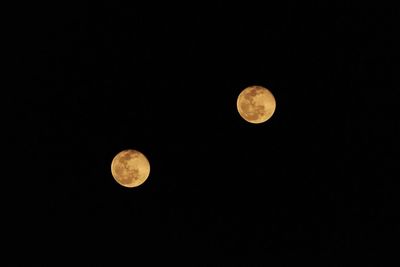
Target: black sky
column 318, row 179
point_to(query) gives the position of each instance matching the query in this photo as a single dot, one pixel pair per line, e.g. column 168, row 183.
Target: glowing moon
column 130, row 168
column 256, row 104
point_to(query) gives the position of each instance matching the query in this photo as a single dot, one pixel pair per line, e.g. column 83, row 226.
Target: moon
column 130, row 168
column 256, row 104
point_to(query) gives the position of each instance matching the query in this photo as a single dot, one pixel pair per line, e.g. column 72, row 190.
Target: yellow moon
column 130, row 168
column 256, row 104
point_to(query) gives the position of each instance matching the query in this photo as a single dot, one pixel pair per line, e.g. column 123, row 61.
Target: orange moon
column 256, row 104
column 130, row 168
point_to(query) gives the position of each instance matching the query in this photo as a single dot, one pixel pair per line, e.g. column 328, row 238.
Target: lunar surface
column 256, row 104
column 130, row 168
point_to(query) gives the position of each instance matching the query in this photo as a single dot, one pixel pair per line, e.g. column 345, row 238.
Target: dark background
column 318, row 180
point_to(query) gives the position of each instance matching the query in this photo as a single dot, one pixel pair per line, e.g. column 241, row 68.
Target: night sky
column 318, row 180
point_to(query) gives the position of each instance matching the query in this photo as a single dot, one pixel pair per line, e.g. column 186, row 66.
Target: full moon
column 130, row 168
column 256, row 104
